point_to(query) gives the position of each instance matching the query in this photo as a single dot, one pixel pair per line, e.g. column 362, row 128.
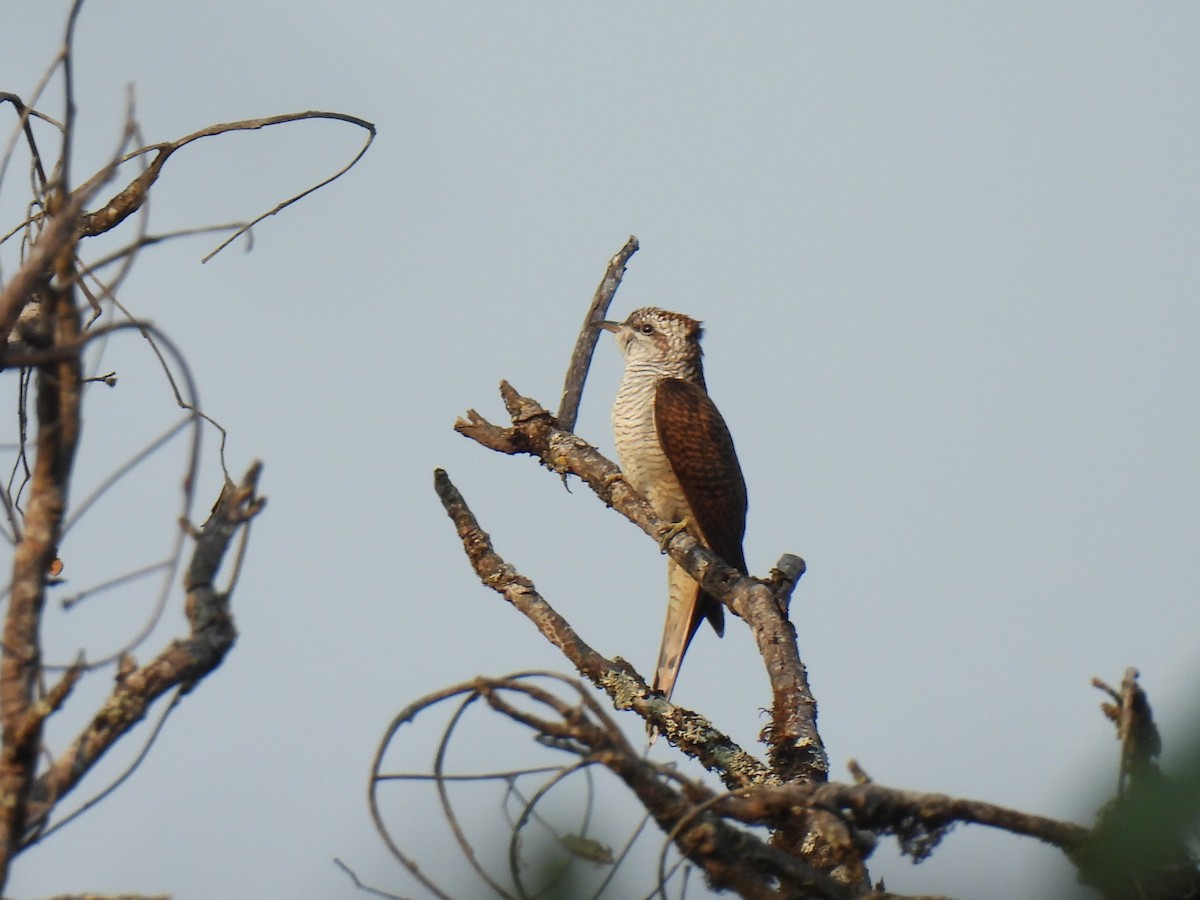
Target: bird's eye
column 646, row 329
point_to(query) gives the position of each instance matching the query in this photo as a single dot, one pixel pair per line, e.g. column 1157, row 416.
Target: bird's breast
column 643, row 462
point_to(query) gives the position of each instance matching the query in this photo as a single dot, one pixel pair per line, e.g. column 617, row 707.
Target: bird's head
column 657, row 336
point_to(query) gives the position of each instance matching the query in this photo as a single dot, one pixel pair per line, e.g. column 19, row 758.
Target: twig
column 24, row 114
column 58, row 235
column 131, row 198
column 585, row 344
column 186, row 395
column 364, row 887
column 42, row 802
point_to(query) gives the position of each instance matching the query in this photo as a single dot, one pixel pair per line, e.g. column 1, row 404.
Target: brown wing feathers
column 698, row 446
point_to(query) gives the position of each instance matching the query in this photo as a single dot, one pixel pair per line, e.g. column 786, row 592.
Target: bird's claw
column 669, row 532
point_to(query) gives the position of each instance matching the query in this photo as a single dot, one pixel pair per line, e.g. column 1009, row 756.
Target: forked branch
column 616, row 677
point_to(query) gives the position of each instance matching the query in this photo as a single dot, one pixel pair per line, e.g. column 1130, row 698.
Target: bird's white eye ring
column 646, row 329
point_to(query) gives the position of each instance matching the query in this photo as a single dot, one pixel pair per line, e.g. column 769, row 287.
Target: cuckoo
column 675, row 450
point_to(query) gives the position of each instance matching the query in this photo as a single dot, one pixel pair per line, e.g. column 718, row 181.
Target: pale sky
column 946, row 258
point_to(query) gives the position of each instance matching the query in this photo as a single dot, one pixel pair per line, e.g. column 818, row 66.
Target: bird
column 676, row 451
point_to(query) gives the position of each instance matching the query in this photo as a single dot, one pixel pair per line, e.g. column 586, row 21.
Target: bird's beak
column 608, row 326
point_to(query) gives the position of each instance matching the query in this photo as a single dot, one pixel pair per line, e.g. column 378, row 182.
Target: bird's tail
column 687, row 607
column 685, row 612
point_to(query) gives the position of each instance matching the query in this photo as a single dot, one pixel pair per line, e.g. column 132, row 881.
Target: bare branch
column 133, row 195
column 183, row 662
column 358, row 883
column 24, row 114
column 616, row 677
column 918, row 819
column 585, row 344
column 185, row 392
column 42, row 803
column 33, row 277
column 58, row 414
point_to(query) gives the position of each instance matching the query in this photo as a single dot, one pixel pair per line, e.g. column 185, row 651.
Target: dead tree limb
column 585, row 344
column 690, row 731
column 58, row 398
column 182, row 664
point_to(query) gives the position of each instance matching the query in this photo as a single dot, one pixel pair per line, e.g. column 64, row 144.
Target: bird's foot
column 668, row 533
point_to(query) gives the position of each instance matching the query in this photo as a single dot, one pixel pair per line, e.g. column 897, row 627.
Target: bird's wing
column 697, row 444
